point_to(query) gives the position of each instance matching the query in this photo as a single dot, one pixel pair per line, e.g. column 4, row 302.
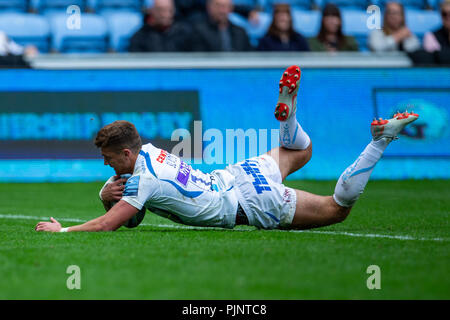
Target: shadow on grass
column 185, row 230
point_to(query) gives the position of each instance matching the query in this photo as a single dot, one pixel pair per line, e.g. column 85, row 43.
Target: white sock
column 352, row 182
column 292, row 135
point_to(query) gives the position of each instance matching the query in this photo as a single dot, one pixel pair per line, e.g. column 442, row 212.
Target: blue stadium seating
column 250, row 3
column 348, row 4
column 122, row 5
column 354, row 23
column 434, row 4
column 148, row 3
column 295, row 4
column 47, row 6
column 90, row 37
column 306, row 22
column 417, row 4
column 26, row 29
column 238, row 20
column 13, row 5
column 421, row 21
column 255, row 32
column 122, row 26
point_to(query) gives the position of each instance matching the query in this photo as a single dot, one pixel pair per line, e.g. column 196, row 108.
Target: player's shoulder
column 143, row 161
column 148, row 149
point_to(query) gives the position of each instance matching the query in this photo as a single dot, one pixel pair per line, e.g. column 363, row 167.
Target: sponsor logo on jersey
column 183, row 173
column 260, row 182
column 162, row 156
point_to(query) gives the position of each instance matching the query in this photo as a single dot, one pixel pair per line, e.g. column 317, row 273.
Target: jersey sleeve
column 139, row 189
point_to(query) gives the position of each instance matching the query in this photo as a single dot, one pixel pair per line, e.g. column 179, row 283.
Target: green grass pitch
column 401, row 226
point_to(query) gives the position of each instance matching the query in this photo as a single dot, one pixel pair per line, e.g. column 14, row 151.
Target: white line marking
column 340, row 233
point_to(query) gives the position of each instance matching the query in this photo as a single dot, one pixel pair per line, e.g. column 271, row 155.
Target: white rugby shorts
column 267, row 203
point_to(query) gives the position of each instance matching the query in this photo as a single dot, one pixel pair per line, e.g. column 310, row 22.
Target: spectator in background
column 195, row 10
column 281, row 35
column 216, row 32
column 160, row 33
column 330, row 37
column 395, row 35
column 439, row 41
column 12, row 54
column 9, row 47
column 190, row 10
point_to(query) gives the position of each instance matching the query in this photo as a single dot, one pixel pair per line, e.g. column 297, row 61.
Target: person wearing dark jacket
column 437, row 43
column 190, row 10
column 216, row 32
column 194, row 10
column 281, row 35
column 160, row 33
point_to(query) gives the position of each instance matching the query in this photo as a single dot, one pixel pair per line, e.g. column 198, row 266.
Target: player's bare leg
column 290, row 160
column 296, row 148
column 316, row 211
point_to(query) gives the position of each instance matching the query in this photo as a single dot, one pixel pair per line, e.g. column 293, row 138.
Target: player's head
column 120, row 144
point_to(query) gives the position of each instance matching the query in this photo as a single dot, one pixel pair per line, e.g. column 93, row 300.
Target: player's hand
column 53, row 226
column 114, row 190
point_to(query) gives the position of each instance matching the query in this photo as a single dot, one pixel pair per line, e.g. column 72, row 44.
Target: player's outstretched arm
column 110, row 221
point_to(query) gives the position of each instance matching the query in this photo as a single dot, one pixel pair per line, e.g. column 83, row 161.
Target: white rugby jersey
column 171, row 188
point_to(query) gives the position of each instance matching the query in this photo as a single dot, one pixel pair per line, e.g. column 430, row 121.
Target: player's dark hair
column 119, row 135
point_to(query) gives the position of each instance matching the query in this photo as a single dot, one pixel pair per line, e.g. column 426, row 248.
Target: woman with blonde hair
column 281, row 35
column 395, row 35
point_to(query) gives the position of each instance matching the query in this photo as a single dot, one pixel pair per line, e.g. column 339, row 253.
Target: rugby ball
column 138, row 217
column 134, row 221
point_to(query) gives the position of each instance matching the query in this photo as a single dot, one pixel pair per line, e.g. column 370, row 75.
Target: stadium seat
column 47, row 6
column 26, row 29
column 306, row 22
column 148, row 3
column 13, row 5
column 251, row 3
column 348, row 4
column 238, row 20
column 254, row 31
column 434, row 4
column 354, row 23
column 295, row 4
column 116, row 5
column 122, row 26
column 421, row 21
column 416, row 4
column 91, row 37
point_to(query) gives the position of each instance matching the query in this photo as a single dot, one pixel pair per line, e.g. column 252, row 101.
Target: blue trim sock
column 352, row 182
column 292, row 135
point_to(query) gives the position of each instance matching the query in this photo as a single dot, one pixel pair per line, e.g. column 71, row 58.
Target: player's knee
column 303, row 157
column 337, row 212
column 309, row 152
column 341, row 213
